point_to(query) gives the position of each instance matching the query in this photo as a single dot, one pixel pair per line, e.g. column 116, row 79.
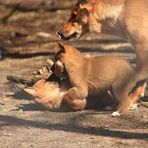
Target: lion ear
column 31, row 91
column 82, row 2
column 63, row 47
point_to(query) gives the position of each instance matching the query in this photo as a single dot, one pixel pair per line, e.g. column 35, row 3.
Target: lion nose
column 62, row 35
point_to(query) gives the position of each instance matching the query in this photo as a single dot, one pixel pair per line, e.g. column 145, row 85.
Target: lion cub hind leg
column 123, row 108
column 129, row 101
column 136, row 95
column 74, row 100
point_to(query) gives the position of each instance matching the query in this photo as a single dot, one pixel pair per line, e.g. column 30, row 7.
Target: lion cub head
column 45, row 93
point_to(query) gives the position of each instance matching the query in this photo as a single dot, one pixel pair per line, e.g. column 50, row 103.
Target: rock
column 43, row 35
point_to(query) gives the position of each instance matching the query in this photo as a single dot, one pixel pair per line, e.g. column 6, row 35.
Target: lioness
column 125, row 18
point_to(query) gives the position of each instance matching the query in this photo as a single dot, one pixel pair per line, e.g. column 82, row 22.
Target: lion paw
column 116, row 113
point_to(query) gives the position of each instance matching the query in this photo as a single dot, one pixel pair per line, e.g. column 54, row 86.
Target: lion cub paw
column 116, row 113
column 73, row 92
column 134, row 106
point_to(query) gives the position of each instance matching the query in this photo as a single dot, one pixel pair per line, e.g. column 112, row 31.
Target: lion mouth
column 73, row 36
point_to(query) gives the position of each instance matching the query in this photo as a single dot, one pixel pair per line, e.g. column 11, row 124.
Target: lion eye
column 73, row 15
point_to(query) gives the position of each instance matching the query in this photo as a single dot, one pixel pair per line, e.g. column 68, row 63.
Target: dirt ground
column 25, row 124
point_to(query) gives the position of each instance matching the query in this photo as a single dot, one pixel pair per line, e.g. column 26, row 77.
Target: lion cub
column 89, row 76
column 94, row 75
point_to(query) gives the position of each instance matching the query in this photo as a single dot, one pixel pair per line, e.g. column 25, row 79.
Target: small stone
column 44, row 34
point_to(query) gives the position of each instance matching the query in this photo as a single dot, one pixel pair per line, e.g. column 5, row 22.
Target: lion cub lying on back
column 92, row 76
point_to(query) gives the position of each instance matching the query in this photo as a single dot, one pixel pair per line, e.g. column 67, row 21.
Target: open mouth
column 71, row 37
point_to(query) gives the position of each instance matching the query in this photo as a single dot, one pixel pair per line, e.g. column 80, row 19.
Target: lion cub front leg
column 75, row 98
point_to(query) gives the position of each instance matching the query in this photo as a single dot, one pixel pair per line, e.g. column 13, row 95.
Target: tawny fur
column 91, row 76
column 46, row 93
column 125, row 18
column 94, row 75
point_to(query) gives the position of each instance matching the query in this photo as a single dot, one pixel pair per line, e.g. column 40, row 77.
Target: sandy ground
column 24, row 124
